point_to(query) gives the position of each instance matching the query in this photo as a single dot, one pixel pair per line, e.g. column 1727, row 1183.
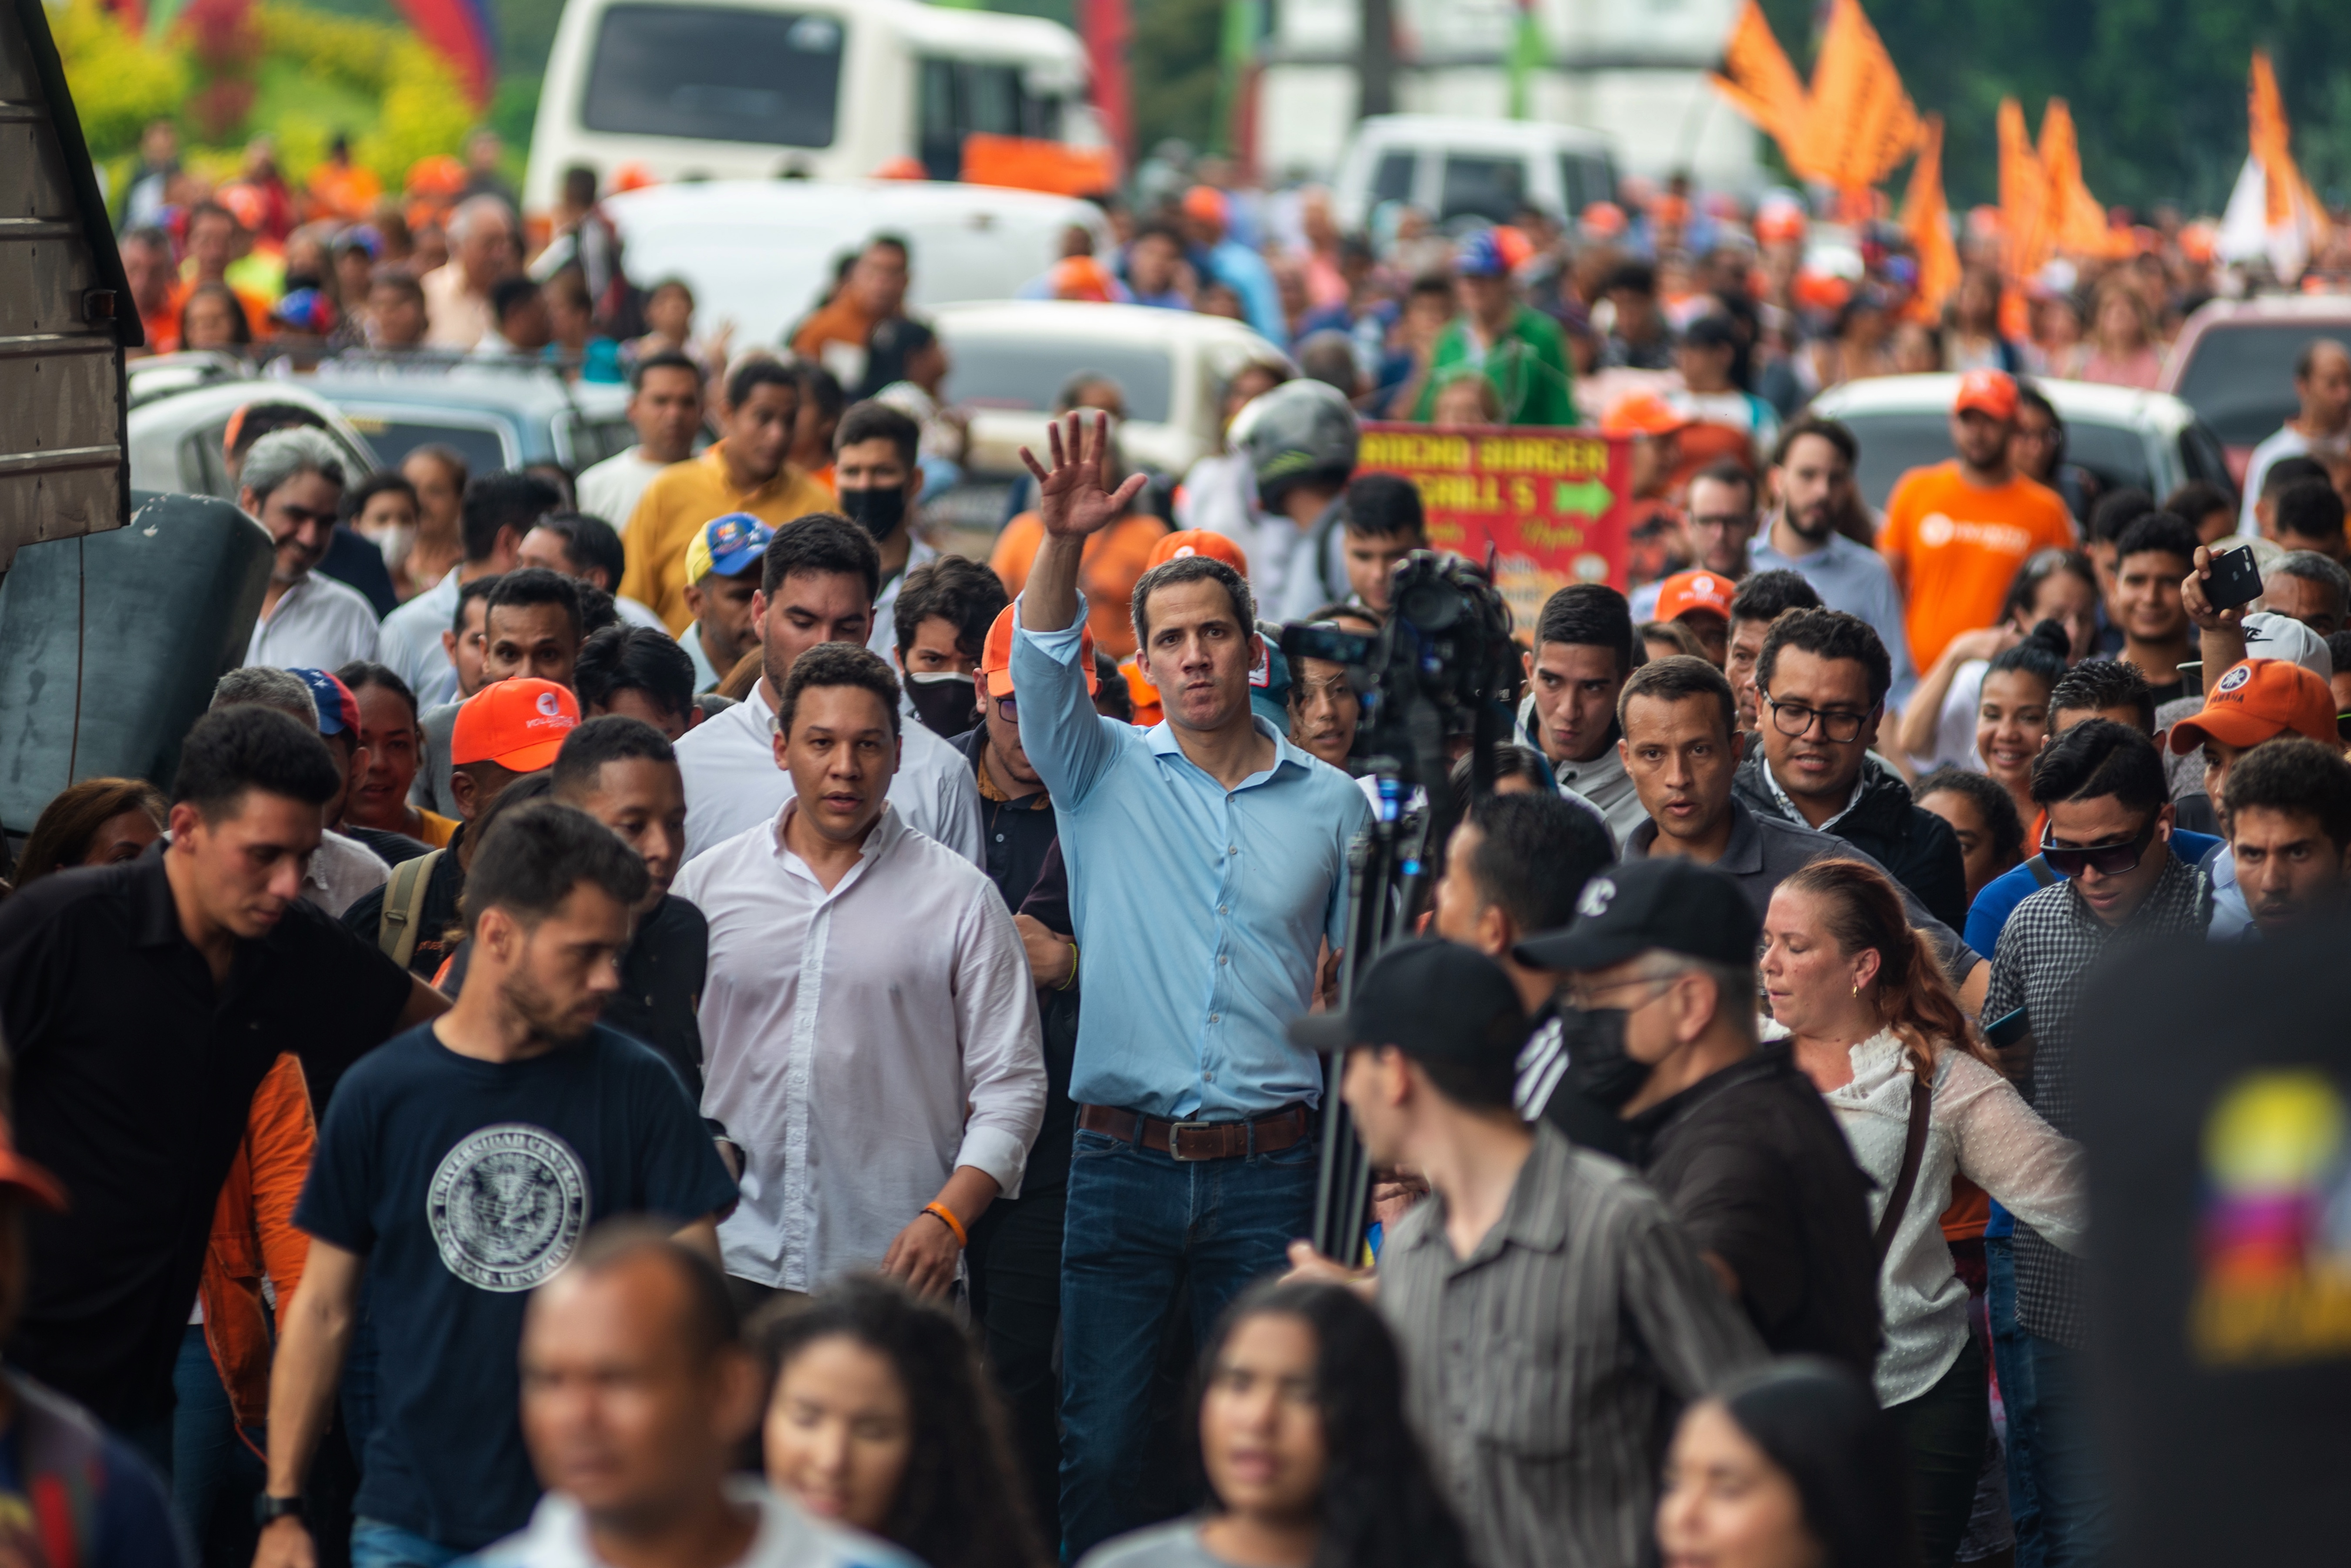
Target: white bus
column 832, row 90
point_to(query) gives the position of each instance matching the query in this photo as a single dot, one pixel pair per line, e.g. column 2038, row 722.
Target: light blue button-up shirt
column 1199, row 910
column 1854, row 579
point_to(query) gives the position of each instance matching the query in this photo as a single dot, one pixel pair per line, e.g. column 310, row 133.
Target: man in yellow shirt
column 744, row 471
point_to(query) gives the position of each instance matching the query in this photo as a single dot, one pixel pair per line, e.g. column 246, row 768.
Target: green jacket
column 1527, row 367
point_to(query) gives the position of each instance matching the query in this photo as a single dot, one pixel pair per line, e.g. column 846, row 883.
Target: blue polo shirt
column 1199, row 910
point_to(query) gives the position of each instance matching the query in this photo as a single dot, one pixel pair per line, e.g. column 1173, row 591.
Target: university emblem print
column 507, row 1206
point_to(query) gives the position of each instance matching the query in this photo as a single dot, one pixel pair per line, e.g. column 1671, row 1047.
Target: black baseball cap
column 1665, row 904
column 1429, row 998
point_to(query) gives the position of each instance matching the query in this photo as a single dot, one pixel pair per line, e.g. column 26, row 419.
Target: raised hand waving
column 1071, row 501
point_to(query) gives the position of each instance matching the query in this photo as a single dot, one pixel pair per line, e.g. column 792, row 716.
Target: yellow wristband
column 947, row 1217
column 1073, row 980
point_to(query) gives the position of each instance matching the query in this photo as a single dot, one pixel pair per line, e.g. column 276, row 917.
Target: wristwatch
column 267, row 1510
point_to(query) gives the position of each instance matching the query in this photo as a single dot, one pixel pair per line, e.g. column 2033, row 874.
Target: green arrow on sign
column 1588, row 498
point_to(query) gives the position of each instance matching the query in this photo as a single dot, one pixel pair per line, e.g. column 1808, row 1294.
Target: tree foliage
column 1174, row 62
column 2158, row 87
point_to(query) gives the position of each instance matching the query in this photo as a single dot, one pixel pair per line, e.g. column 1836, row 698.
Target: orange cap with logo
column 1708, row 591
column 519, row 724
column 2258, row 700
column 1197, row 541
column 1987, row 392
column 996, row 657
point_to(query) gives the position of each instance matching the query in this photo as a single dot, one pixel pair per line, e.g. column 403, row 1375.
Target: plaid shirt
column 2047, row 946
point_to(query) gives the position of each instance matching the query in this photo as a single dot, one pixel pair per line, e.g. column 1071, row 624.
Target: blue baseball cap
column 1481, row 256
column 339, row 711
column 727, row 546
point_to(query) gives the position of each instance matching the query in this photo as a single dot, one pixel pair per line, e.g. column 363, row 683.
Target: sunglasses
column 2343, row 728
column 2106, row 860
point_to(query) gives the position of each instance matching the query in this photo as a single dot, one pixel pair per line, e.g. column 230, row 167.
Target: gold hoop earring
column 1856, row 990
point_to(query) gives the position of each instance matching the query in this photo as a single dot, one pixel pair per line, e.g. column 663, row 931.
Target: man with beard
column 1811, row 484
column 459, row 1165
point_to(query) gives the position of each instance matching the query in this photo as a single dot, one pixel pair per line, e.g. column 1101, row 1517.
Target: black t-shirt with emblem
column 465, row 1183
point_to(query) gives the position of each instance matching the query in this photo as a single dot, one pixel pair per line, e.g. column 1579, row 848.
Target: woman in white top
column 1866, row 1009
column 1938, row 727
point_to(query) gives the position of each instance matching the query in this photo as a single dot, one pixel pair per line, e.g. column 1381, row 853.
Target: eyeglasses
column 2343, row 728
column 1795, row 718
column 1005, row 711
column 2106, row 860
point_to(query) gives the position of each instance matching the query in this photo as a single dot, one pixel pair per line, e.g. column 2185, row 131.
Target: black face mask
column 943, row 701
column 1598, row 1066
column 880, row 508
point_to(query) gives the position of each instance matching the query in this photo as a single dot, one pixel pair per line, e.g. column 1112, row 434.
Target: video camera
column 1443, row 668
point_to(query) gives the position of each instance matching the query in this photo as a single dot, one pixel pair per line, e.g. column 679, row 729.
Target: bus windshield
column 716, row 74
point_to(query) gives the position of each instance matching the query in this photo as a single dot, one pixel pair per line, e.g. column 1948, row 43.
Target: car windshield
column 1892, row 444
column 1486, row 186
column 2239, row 378
column 716, row 74
column 1025, row 373
column 394, row 438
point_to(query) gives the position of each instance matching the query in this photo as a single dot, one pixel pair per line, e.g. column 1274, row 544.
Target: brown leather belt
column 1191, row 1141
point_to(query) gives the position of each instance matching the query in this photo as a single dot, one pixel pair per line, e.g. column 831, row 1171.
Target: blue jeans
column 2011, row 1355
column 214, row 1477
column 375, row 1545
column 1141, row 1226
column 2067, row 1477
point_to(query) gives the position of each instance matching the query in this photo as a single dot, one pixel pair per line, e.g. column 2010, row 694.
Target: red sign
column 1550, row 502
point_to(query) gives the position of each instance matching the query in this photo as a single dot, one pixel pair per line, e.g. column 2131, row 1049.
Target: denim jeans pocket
column 1087, row 1144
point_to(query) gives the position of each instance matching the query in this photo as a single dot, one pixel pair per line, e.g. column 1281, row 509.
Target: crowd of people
column 717, row 1032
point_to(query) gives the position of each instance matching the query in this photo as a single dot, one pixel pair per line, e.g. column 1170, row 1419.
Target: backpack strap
column 404, row 907
column 2041, row 875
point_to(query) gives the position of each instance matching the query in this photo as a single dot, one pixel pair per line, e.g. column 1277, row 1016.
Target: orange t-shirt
column 1112, row 564
column 1955, row 547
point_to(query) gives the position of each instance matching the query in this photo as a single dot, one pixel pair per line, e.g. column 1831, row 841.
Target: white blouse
column 1979, row 1128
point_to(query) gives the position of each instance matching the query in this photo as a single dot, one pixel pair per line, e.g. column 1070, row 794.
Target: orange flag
column 1763, row 85
column 2273, row 148
column 1927, row 219
column 2026, row 244
column 1862, row 123
column 2077, row 223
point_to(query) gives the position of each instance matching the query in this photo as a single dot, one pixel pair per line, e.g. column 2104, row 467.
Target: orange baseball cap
column 1197, row 541
column 2258, row 700
column 1987, row 392
column 996, row 657
column 1643, row 414
column 1686, row 590
column 519, row 724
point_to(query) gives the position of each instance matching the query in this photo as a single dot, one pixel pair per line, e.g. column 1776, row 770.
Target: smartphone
column 2235, row 579
column 2005, row 1032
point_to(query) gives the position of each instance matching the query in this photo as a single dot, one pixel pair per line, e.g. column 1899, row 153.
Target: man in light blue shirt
column 1811, row 472
column 1208, row 223
column 1207, row 861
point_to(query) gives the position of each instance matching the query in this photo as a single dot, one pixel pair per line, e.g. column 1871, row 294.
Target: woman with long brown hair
column 1874, row 1023
column 99, row 821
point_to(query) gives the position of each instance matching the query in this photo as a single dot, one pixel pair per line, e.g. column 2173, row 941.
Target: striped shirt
column 1546, row 1369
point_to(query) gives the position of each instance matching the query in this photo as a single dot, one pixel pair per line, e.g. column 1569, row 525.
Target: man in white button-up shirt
column 818, row 581
column 293, row 482
column 869, row 1022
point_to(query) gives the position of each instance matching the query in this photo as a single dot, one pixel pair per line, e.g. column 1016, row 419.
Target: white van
column 759, row 253
column 830, row 89
column 1453, row 167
